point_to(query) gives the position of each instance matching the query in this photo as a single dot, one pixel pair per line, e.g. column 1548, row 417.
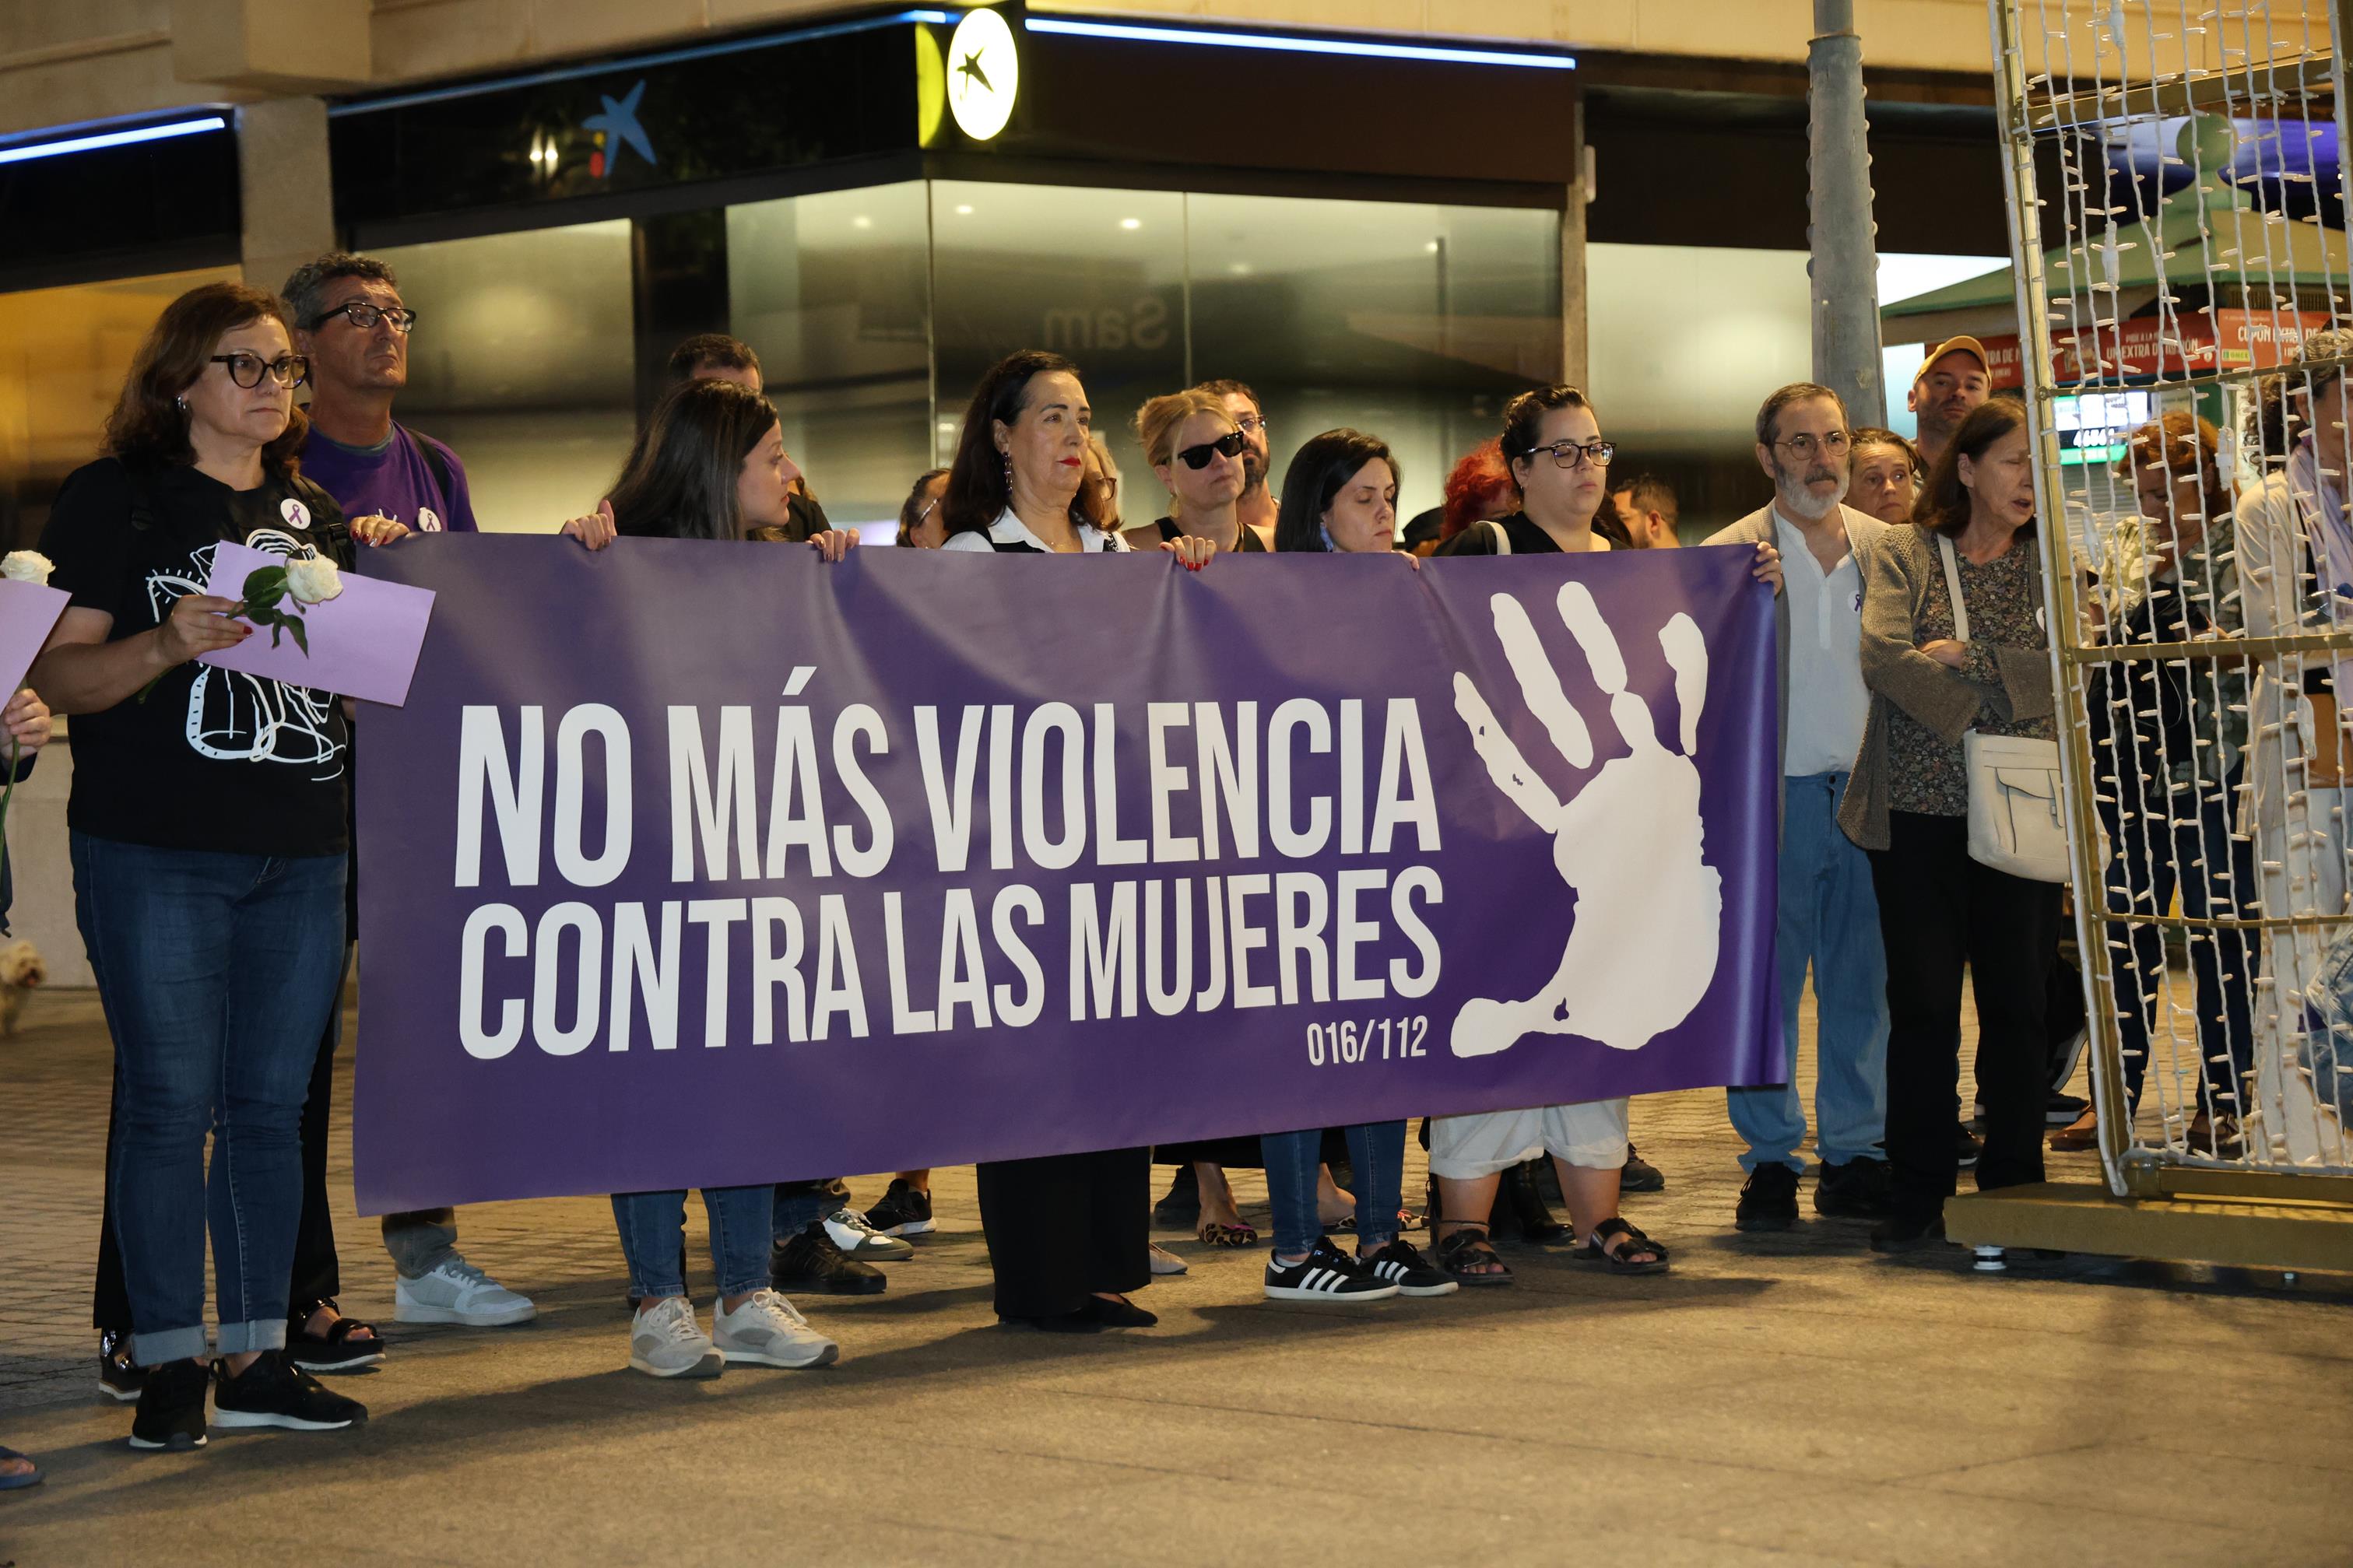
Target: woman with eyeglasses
column 1552, row 444
column 1196, row 449
column 920, row 527
column 207, row 835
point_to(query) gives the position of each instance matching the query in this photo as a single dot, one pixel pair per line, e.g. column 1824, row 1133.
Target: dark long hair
column 679, row 481
column 978, row 494
column 148, row 427
column 1943, row 504
column 1320, row 466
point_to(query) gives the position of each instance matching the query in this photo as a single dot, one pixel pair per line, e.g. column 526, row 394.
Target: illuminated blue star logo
column 617, row 127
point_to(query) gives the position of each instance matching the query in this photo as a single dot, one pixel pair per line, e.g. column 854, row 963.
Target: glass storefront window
column 525, row 362
column 1413, row 322
column 1097, row 275
column 830, row 291
column 63, row 355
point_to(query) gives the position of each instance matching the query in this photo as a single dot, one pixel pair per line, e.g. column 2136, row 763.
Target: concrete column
column 1574, row 364
column 1845, row 268
column 289, row 194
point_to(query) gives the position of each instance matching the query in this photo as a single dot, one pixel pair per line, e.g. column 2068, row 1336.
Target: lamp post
column 1844, row 265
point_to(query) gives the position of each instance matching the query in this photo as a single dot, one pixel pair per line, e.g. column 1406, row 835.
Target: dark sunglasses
column 1229, row 444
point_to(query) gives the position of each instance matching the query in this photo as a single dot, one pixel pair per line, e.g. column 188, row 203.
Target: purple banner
column 690, row 864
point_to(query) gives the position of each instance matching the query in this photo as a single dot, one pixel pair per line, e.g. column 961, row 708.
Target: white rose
column 25, row 566
column 313, row 581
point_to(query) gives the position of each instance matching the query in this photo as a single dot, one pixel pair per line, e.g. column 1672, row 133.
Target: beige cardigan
column 1896, row 570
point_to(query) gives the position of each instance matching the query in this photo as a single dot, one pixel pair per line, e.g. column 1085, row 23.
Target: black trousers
column 1939, row 910
column 1064, row 1226
column 316, row 1272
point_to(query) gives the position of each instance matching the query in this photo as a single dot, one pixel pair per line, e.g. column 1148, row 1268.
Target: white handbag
column 2017, row 816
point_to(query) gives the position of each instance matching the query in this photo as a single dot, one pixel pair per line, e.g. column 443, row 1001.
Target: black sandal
column 337, row 1350
column 1460, row 1248
column 1595, row 1249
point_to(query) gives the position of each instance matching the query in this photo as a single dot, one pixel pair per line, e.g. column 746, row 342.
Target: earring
column 183, row 403
column 1007, row 459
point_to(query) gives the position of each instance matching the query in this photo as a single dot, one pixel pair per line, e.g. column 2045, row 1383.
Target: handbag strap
column 1502, row 540
column 1953, row 587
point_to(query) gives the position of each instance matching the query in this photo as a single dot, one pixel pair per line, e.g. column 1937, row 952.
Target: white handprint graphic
column 1630, row 844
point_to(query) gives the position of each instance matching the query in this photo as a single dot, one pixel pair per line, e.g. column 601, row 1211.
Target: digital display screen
column 2093, row 427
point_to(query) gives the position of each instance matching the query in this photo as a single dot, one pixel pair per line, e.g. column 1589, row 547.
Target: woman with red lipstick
column 1067, row 1234
column 1907, row 803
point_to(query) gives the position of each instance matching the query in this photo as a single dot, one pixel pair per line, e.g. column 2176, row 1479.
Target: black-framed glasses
column 1803, row 448
column 367, row 317
column 246, row 370
column 1229, row 444
column 1569, row 454
column 1253, row 425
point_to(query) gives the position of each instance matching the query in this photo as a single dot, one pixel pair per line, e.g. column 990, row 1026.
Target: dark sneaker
column 1856, row 1190
column 1326, row 1274
column 1768, row 1199
column 2062, row 1109
column 903, row 1211
column 1640, row 1176
column 810, row 1261
column 1400, row 1263
column 274, row 1392
column 1902, row 1233
column 119, row 1377
column 1119, row 1314
column 171, row 1407
column 1966, row 1147
column 1180, row 1207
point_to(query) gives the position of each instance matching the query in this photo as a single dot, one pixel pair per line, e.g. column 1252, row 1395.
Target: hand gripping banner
column 690, row 864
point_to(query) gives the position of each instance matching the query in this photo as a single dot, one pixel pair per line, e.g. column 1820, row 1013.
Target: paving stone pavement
column 1787, row 1397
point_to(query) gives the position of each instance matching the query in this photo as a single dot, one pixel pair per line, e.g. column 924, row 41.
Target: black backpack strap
column 328, row 523
column 439, row 465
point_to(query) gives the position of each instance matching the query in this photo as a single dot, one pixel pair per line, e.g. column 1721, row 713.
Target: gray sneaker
column 769, row 1330
column 667, row 1342
column 861, row 1241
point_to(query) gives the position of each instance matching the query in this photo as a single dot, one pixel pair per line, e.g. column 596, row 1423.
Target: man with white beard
column 1828, row 917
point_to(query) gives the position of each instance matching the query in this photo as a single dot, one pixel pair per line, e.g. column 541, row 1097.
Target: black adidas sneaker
column 1400, row 1263
column 1326, row 1274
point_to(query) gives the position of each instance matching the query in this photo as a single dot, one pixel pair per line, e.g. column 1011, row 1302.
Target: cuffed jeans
column 1829, row 918
column 1377, row 1160
column 2214, row 872
column 653, row 1239
column 217, row 972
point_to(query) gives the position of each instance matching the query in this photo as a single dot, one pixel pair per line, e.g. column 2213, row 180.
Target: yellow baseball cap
column 1955, row 345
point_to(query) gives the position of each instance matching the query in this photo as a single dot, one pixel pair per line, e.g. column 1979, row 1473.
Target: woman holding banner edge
column 709, row 464
column 1069, row 1234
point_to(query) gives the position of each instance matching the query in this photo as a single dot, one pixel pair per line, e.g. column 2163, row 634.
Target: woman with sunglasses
column 1559, row 466
column 1196, row 448
column 208, row 839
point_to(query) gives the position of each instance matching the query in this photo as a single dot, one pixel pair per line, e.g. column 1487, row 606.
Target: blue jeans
column 800, row 1204
column 1828, row 917
column 653, row 1239
column 1376, row 1150
column 2214, row 872
column 217, row 972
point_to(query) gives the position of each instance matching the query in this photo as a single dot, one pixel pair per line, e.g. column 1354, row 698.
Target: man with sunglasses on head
column 1257, row 506
column 1829, row 915
column 350, row 319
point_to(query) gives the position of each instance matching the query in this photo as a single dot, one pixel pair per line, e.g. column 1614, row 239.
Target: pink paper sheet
column 363, row 642
column 27, row 612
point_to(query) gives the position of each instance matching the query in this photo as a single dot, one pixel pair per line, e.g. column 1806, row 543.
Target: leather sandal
column 1597, row 1249
column 1461, row 1254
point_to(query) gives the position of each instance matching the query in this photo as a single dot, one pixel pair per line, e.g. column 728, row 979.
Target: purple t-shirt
column 394, row 480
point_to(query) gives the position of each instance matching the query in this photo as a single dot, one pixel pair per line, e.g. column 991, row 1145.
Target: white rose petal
column 25, row 566
column 313, row 581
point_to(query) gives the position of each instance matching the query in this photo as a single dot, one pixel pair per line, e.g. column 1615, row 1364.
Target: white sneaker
column 458, row 1293
column 666, row 1341
column 770, row 1331
column 861, row 1241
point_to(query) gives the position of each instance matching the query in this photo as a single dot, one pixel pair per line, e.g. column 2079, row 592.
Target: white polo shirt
column 1828, row 701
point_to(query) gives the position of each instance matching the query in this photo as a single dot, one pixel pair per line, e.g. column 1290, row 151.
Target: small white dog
column 21, row 972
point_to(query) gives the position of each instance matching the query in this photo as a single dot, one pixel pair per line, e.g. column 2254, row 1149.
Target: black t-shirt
column 1170, row 534
column 212, row 758
column 1526, row 538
